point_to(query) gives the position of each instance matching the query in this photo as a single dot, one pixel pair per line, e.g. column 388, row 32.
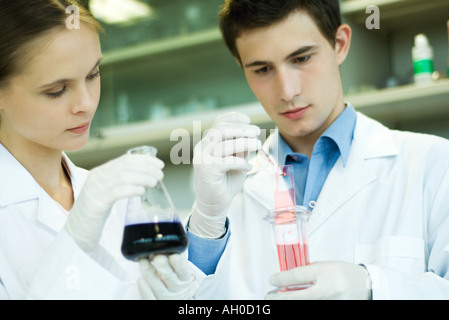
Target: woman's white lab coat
column 39, row 260
column 387, row 209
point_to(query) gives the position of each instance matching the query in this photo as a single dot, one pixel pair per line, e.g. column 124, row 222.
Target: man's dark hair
column 238, row 16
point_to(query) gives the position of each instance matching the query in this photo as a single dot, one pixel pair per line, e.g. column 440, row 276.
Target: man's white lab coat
column 39, row 260
column 387, row 209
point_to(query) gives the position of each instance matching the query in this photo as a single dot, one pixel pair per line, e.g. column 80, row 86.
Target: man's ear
column 342, row 42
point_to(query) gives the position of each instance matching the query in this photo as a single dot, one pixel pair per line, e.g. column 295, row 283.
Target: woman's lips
column 296, row 113
column 81, row 129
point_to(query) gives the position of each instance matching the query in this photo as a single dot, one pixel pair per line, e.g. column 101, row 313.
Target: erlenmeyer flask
column 152, row 225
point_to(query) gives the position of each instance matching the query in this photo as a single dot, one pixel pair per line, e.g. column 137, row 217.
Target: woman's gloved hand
column 121, row 178
column 165, row 278
column 220, row 168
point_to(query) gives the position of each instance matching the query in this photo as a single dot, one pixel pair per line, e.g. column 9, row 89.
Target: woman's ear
column 343, row 42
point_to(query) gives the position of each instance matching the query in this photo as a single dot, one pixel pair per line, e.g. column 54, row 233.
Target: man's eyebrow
column 300, row 51
column 295, row 53
column 256, row 64
column 60, row 81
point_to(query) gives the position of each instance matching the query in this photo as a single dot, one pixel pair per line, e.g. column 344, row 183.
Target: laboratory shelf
column 387, row 105
column 398, row 14
column 168, row 45
column 405, row 103
column 354, row 10
column 356, row 6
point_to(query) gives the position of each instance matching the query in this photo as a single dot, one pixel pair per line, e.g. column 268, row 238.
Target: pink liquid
column 283, row 199
column 293, row 255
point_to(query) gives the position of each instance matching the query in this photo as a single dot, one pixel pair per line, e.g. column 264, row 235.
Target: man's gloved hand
column 332, row 280
column 165, row 278
column 121, row 178
column 220, row 167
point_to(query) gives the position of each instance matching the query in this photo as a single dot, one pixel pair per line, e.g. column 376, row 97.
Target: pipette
column 268, row 159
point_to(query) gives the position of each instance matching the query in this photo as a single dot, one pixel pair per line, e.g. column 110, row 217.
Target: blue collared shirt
column 310, row 175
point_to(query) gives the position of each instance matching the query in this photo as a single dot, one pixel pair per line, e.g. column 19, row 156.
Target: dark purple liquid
column 141, row 240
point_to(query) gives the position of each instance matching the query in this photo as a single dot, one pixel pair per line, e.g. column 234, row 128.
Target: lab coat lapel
column 18, row 186
column 371, row 140
column 261, row 187
column 50, row 214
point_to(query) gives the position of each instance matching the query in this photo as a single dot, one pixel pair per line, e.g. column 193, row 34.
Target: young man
column 379, row 199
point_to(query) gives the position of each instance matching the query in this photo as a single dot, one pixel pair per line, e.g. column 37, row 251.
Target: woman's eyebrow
column 61, row 81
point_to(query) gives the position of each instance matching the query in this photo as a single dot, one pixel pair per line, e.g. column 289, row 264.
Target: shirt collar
column 340, row 133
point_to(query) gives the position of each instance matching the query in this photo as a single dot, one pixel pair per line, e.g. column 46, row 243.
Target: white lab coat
column 39, row 260
column 387, row 209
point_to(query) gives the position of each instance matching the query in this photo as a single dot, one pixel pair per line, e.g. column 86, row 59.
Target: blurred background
column 167, row 74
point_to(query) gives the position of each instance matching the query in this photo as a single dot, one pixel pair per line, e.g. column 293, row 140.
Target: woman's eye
column 95, row 75
column 56, row 94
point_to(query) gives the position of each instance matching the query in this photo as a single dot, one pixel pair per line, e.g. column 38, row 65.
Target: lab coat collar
column 17, row 183
column 18, row 186
column 371, row 140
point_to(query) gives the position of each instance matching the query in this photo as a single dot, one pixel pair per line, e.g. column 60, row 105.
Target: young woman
column 60, row 231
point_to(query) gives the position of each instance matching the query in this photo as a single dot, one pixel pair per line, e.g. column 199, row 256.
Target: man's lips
column 295, row 113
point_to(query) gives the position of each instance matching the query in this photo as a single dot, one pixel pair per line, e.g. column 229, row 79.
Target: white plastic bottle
column 422, row 54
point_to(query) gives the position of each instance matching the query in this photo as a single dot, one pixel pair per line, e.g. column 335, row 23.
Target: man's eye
column 302, row 59
column 263, row 70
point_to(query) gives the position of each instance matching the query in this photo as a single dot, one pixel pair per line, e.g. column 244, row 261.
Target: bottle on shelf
column 422, row 54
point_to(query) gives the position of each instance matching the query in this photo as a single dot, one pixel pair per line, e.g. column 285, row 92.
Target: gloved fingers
column 149, row 275
column 237, row 146
column 225, row 131
column 131, row 161
column 124, row 192
column 312, row 293
column 145, row 290
column 133, row 178
column 119, row 171
column 143, row 164
column 219, row 166
column 167, row 274
column 228, row 132
column 180, row 266
column 229, row 156
column 296, row 276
